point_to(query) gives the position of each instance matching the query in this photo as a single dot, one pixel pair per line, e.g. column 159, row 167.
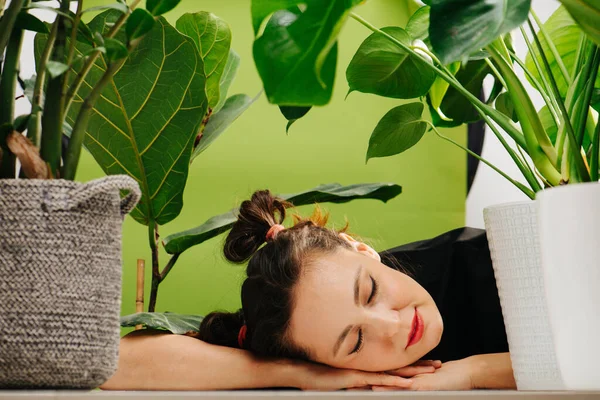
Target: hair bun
column 256, row 217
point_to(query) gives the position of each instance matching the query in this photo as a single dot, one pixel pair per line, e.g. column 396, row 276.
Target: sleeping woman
column 322, row 310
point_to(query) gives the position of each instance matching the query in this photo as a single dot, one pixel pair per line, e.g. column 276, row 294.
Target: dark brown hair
column 272, row 273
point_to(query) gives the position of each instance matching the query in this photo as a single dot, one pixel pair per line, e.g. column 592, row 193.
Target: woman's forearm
column 159, row 361
column 492, row 371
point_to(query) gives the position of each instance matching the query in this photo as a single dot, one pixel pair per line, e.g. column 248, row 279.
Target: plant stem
column 8, row 22
column 539, row 146
column 74, row 88
column 33, row 127
column 81, row 122
column 72, row 45
column 8, row 86
column 495, row 71
column 552, row 47
column 502, row 120
column 525, row 170
column 550, row 102
column 53, row 115
column 169, row 266
column 579, row 54
column 595, row 153
column 590, row 72
column 153, row 239
column 567, row 121
column 528, row 192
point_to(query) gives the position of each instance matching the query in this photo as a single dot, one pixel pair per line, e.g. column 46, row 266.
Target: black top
column 456, row 269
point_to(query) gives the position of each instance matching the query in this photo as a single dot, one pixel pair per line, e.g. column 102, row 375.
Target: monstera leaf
column 213, row 40
column 296, row 54
column 174, row 323
column 458, row 27
column 146, row 120
column 564, row 33
column 331, row 193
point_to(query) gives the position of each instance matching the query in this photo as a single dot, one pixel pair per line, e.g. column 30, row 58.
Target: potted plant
column 60, row 258
column 444, row 63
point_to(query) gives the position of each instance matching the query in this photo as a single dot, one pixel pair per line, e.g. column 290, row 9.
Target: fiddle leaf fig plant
column 444, row 54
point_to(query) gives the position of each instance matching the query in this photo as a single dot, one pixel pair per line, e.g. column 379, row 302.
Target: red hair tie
column 242, row 336
column 273, row 231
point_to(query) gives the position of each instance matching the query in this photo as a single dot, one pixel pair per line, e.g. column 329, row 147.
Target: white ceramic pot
column 569, row 221
column 513, row 240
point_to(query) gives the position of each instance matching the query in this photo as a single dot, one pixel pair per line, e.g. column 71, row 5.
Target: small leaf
column 29, row 87
column 505, row 105
column 587, row 14
column 139, row 23
column 122, row 8
column 383, row 68
column 418, row 24
column 84, row 34
column 159, row 7
column 458, row 29
column 56, row 68
column 293, row 114
column 219, row 122
column 399, row 130
column 115, row 49
column 29, row 156
column 213, row 39
column 332, row 193
column 21, row 122
column 30, row 22
column 229, row 73
column 174, row 323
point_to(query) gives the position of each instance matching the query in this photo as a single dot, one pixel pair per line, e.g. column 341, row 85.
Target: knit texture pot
column 60, row 280
column 513, row 237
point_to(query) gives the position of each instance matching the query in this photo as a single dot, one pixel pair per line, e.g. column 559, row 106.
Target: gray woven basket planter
column 60, row 280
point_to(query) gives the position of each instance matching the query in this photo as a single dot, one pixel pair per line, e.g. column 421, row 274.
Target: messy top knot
column 272, row 273
column 256, row 217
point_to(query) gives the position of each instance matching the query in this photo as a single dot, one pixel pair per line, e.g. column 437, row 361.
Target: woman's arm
column 492, row 371
column 152, row 360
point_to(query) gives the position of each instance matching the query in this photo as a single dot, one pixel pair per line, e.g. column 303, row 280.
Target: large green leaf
column 461, row 27
column 587, row 14
column 383, row 68
column 146, row 120
column 400, row 129
column 455, row 106
column 296, row 54
column 219, row 122
column 564, row 33
column 213, row 39
column 331, row 193
column 174, row 323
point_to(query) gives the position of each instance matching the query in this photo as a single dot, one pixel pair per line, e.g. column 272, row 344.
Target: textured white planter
column 569, row 218
column 514, row 247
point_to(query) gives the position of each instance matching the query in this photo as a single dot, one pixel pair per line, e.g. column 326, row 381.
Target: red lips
column 416, row 331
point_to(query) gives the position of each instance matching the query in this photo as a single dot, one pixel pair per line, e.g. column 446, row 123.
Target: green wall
column 328, row 145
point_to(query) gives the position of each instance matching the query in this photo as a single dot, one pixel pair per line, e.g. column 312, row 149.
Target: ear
column 361, row 247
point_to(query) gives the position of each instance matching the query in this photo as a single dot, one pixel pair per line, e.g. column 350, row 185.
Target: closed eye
column 374, row 289
column 359, row 342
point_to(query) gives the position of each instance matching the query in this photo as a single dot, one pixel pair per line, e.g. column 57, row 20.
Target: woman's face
column 351, row 311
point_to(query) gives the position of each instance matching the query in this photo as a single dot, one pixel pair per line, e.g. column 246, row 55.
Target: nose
column 386, row 323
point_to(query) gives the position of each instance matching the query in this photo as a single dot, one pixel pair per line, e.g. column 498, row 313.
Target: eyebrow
column 347, row 330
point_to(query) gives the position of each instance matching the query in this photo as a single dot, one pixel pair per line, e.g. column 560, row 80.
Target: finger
column 434, row 363
column 383, row 379
column 411, row 371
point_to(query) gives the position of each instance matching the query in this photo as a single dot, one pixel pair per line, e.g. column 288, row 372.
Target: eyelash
column 360, row 341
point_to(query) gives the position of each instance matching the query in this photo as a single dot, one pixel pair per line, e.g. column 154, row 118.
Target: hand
column 420, row 367
column 310, row 376
column 453, row 375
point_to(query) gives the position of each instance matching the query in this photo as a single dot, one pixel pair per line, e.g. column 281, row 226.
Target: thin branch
column 169, row 266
